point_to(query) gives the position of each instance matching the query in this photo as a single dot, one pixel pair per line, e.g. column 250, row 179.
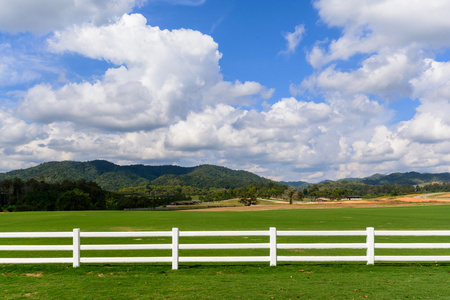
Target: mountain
column 207, row 176
column 297, row 184
column 412, row 178
column 113, row 177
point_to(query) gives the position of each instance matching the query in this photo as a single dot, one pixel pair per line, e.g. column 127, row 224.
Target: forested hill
column 297, row 184
column 410, row 178
column 113, row 177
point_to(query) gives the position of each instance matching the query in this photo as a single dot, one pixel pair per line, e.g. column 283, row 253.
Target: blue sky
column 290, row 90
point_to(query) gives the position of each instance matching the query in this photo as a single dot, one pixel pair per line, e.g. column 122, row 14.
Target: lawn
column 329, row 281
column 229, row 281
column 435, row 217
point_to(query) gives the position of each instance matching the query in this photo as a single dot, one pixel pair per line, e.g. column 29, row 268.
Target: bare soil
column 391, row 201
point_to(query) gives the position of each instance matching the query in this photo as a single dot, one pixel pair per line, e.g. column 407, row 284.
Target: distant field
column 402, row 217
column 264, row 204
column 229, row 281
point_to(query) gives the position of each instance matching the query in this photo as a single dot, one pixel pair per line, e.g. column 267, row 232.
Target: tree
column 289, row 194
column 73, row 200
column 248, row 199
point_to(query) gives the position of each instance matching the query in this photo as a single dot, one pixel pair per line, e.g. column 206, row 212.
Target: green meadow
column 227, row 281
column 396, row 218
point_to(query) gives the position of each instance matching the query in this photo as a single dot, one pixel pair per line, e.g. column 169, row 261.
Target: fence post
column 76, row 247
column 273, row 246
column 370, row 240
column 175, row 247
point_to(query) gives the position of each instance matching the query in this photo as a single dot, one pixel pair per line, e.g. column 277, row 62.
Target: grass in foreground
column 328, row 281
column 435, row 217
column 214, row 281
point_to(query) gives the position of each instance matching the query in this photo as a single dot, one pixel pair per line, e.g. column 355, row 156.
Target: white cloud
column 431, row 124
column 372, row 25
column 384, row 74
column 293, row 39
column 433, row 83
column 394, row 37
column 44, row 16
column 162, row 76
column 182, row 2
column 236, row 93
column 397, row 41
column 165, row 99
column 299, row 135
column 14, row 131
column 427, row 127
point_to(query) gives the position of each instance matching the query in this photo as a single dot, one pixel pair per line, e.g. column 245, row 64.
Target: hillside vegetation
column 59, row 185
column 112, row 177
column 409, row 178
column 412, row 178
column 68, row 185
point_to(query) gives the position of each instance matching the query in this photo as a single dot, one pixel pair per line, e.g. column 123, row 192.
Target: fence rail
column 273, row 246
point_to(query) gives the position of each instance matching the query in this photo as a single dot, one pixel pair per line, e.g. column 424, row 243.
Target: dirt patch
column 30, row 294
column 34, row 274
column 441, row 198
column 408, row 200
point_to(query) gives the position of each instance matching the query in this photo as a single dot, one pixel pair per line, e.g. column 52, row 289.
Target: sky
column 290, row 90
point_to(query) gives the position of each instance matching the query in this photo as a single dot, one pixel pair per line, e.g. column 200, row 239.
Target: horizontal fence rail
column 369, row 246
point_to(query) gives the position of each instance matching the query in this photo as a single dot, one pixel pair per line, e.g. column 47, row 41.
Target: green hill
column 297, row 184
column 208, row 176
column 113, row 177
column 412, row 178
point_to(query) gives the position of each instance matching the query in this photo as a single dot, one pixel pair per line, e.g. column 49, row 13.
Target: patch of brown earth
column 34, row 274
column 392, row 201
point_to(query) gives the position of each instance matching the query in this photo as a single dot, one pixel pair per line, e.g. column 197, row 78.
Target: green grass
column 330, row 281
column 435, row 217
column 227, row 281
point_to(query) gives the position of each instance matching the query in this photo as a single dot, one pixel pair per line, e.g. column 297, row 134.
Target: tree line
column 33, row 195
column 342, row 189
column 183, row 192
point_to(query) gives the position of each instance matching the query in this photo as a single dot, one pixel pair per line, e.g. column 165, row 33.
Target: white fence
column 369, row 245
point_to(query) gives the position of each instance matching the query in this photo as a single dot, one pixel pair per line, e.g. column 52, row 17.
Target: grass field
column 229, row 281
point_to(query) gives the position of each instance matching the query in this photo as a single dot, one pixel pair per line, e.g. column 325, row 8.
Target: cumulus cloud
column 162, row 75
column 164, row 98
column 301, row 136
column 384, row 74
column 392, row 44
column 44, row 16
column 394, row 38
column 14, row 131
column 182, row 2
column 372, row 25
column 433, row 83
column 431, row 124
